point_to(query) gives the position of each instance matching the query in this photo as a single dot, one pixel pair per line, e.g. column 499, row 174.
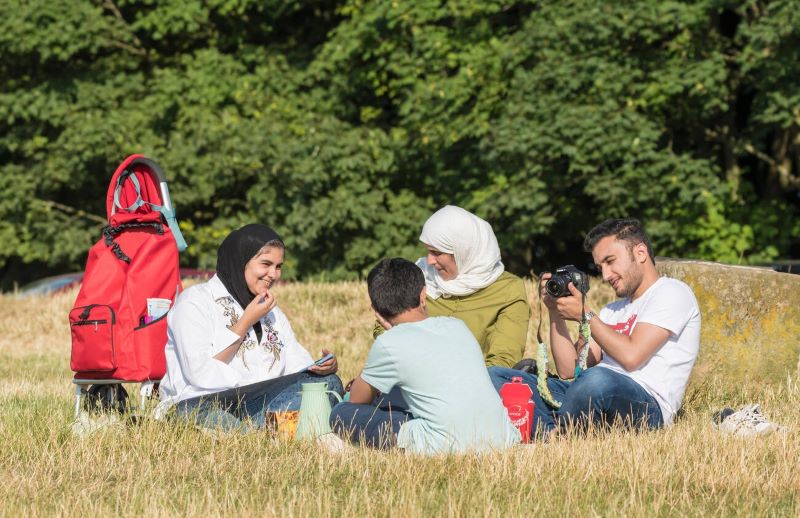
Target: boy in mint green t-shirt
column 438, row 367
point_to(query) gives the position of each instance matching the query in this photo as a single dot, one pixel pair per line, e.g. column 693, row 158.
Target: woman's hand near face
column 329, row 367
column 258, row 308
column 255, row 311
column 261, row 304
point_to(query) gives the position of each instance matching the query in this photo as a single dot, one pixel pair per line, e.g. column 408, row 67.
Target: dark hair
column 628, row 230
column 394, row 286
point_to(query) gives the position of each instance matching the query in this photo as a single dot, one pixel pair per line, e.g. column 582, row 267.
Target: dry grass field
column 163, row 469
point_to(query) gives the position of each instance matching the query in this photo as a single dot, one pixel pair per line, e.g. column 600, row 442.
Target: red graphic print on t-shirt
column 625, row 327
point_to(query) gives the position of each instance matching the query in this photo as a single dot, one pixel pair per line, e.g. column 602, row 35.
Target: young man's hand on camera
column 572, row 307
column 549, row 301
column 566, row 308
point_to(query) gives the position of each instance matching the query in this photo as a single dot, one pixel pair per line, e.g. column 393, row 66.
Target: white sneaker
column 748, row 421
column 333, row 443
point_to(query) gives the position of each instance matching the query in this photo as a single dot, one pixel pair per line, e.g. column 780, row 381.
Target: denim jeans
column 374, row 426
column 244, row 408
column 599, row 395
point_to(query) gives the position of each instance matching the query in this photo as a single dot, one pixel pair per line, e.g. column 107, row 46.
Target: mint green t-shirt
column 497, row 315
column 439, row 368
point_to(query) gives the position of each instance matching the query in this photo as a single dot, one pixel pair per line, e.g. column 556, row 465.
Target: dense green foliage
column 345, row 124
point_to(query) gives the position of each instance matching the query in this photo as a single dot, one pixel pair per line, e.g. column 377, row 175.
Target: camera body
column 557, row 285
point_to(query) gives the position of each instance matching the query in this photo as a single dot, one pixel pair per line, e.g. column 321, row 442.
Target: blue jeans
column 599, row 395
column 373, row 426
column 244, row 408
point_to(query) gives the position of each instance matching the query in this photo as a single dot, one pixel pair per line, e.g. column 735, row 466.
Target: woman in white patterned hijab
column 463, row 255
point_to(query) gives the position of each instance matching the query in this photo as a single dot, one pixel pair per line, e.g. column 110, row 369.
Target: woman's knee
column 334, row 383
column 332, row 380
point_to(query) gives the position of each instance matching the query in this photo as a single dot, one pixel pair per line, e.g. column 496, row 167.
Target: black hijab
column 234, row 253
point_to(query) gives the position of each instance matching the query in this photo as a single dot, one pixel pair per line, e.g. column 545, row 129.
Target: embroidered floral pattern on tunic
column 270, row 340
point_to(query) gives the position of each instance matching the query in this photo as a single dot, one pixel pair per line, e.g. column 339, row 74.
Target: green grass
column 167, row 469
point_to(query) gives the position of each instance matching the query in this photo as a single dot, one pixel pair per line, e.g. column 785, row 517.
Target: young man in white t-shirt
column 643, row 346
column 438, row 367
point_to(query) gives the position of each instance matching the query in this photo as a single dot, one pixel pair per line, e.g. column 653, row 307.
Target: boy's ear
column 423, row 295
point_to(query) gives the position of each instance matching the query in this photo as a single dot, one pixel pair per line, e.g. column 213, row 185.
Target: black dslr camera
column 556, row 285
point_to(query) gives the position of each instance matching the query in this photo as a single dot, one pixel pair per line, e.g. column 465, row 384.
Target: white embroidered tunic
column 198, row 329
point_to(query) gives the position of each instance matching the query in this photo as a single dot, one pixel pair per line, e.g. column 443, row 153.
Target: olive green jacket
column 497, row 316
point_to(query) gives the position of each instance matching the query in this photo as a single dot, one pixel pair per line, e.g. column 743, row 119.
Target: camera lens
column 555, row 287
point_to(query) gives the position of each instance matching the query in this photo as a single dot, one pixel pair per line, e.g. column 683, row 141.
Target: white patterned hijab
column 470, row 239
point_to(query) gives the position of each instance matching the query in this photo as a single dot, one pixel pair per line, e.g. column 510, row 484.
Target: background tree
column 345, row 124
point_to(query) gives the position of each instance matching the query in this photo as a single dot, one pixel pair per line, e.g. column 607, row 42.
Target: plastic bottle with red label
column 516, row 397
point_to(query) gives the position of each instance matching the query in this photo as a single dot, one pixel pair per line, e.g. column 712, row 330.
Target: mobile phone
column 321, row 360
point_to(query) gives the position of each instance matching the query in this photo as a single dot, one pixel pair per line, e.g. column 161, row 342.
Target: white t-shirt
column 439, row 368
column 197, row 329
column 671, row 305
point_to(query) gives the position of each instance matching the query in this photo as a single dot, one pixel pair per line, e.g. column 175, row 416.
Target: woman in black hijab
column 231, row 352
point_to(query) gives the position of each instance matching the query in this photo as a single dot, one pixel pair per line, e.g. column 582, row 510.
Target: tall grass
column 164, row 469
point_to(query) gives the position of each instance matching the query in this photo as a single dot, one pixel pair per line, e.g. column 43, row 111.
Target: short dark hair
column 394, row 286
column 628, row 230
